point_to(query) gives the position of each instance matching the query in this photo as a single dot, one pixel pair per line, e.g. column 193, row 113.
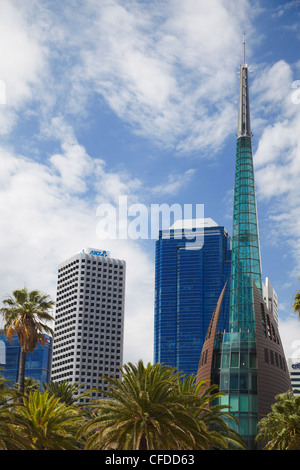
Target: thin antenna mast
column 244, row 50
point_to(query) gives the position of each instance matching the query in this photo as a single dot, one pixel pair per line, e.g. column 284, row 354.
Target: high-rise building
column 270, row 298
column 191, row 268
column 89, row 319
column 247, row 361
column 294, row 371
column 38, row 362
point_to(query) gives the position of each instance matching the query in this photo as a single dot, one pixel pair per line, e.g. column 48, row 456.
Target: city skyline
column 139, row 99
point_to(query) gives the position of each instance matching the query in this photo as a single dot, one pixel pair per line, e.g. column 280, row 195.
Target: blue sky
column 114, row 98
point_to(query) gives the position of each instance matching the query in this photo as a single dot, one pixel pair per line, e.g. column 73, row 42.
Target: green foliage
column 68, row 392
column 296, row 302
column 10, row 438
column 30, row 385
column 48, row 423
column 26, row 314
column 280, row 429
column 154, row 407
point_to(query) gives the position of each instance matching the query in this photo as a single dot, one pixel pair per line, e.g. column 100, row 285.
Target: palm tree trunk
column 143, row 443
column 22, row 372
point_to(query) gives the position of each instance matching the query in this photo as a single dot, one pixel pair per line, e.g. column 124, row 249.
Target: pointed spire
column 244, row 128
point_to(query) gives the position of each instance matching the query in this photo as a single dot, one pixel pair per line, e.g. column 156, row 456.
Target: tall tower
column 246, row 361
column 188, row 282
column 89, row 319
column 246, row 265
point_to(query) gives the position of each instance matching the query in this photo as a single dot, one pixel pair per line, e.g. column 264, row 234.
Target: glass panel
column 224, row 401
column 234, row 380
column 234, row 359
column 234, row 402
column 253, row 403
column 243, row 402
column 243, row 381
column 243, row 421
column 252, row 426
column 217, row 361
column 224, row 378
column 231, row 423
column 244, row 360
column 252, row 381
column 225, row 360
column 253, row 360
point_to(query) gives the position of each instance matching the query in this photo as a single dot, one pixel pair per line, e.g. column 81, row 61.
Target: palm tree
column 10, row 437
column 5, row 418
column 30, row 385
column 47, row 423
column 66, row 391
column 213, row 417
column 141, row 412
column 25, row 314
column 147, row 411
column 280, row 429
column 296, row 304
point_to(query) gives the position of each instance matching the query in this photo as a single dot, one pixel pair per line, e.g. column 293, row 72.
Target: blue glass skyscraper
column 189, row 278
column 38, row 363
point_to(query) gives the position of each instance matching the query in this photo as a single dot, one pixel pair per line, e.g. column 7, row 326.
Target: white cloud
column 277, row 158
column 272, row 85
column 23, row 58
column 174, row 183
column 290, row 336
column 160, row 67
column 156, row 65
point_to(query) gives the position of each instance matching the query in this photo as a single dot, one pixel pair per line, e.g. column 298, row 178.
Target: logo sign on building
column 296, row 366
column 96, row 252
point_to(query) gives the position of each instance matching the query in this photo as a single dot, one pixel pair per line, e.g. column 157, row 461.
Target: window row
column 275, row 359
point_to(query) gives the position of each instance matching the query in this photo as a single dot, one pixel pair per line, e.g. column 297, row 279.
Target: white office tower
column 89, row 319
column 270, row 298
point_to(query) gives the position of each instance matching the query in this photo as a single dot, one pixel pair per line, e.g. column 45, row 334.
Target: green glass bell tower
column 247, row 361
column 238, row 359
column 246, row 265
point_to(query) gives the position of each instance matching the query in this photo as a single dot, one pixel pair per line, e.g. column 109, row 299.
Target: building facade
column 189, row 276
column 247, row 361
column 38, row 363
column 89, row 319
column 270, row 298
column 294, row 371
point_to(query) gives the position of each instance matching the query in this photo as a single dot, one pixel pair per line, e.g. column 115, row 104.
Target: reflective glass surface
column 245, row 265
column 238, row 374
column 38, row 363
column 187, row 287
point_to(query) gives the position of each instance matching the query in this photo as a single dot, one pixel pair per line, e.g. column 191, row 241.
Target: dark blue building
column 189, row 277
column 38, row 363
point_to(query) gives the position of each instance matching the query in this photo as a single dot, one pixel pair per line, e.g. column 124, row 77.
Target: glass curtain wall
column 237, row 362
column 188, row 283
column 245, row 265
